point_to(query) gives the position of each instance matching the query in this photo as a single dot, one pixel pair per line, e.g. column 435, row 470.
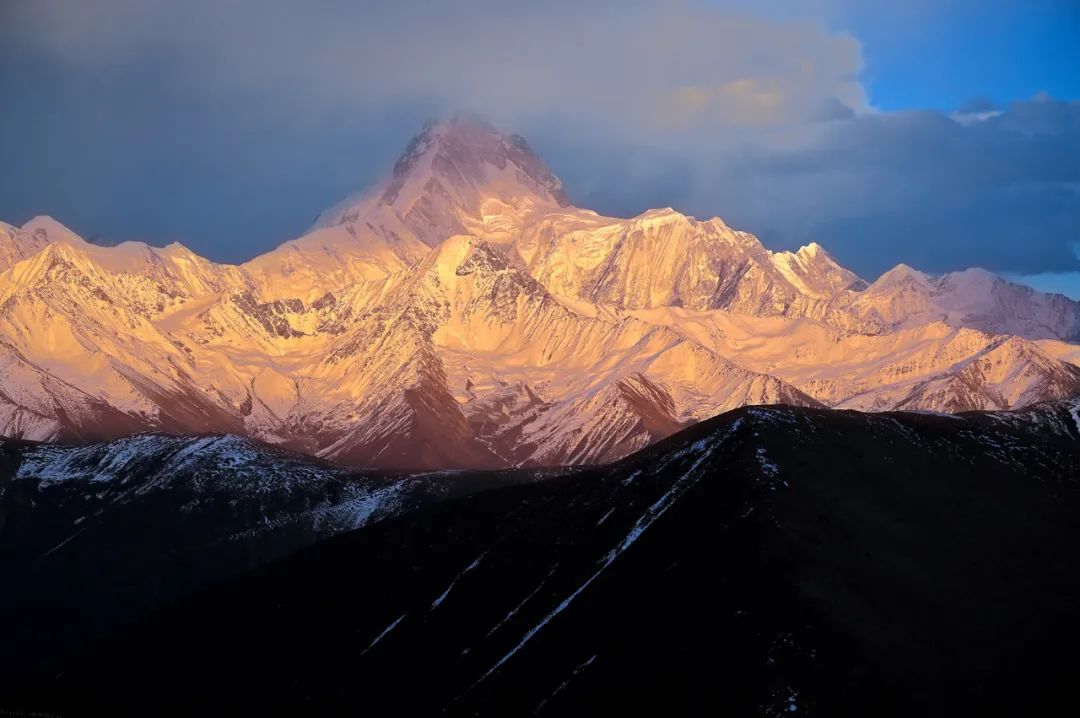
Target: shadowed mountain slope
column 771, row 561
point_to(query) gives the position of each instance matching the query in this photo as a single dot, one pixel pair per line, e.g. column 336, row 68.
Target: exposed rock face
column 463, row 314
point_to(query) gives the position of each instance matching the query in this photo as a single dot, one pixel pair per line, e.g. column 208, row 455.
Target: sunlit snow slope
column 463, row 314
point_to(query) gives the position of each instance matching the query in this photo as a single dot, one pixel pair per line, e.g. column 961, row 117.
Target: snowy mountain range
column 463, row 313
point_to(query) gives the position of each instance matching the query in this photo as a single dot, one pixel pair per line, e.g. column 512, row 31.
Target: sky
column 939, row 134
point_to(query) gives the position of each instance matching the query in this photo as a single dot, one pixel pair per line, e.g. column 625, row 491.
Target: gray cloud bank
column 1002, row 192
column 657, row 64
column 636, row 103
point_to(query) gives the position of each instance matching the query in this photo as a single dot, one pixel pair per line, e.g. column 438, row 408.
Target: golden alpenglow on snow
column 462, row 314
column 748, row 385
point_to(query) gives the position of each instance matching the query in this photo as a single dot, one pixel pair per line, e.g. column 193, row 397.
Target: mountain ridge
column 769, row 561
column 465, row 305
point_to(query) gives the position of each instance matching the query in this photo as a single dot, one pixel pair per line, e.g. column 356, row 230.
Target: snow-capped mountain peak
column 815, row 273
column 901, row 274
column 448, row 173
column 973, row 298
column 462, row 313
column 19, row 243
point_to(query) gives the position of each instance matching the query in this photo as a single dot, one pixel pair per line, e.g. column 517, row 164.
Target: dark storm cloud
column 998, row 189
column 919, row 187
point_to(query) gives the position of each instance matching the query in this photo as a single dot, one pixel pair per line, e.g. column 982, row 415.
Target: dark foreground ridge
column 772, row 561
column 93, row 536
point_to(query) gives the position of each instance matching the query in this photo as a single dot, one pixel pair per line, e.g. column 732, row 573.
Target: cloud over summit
column 653, row 63
column 757, row 113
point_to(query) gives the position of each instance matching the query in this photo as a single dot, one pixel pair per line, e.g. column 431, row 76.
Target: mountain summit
column 462, row 313
column 452, row 171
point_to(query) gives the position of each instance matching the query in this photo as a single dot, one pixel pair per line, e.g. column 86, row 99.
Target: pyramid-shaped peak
column 902, row 273
column 465, row 149
column 445, row 173
column 461, row 134
column 45, row 226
